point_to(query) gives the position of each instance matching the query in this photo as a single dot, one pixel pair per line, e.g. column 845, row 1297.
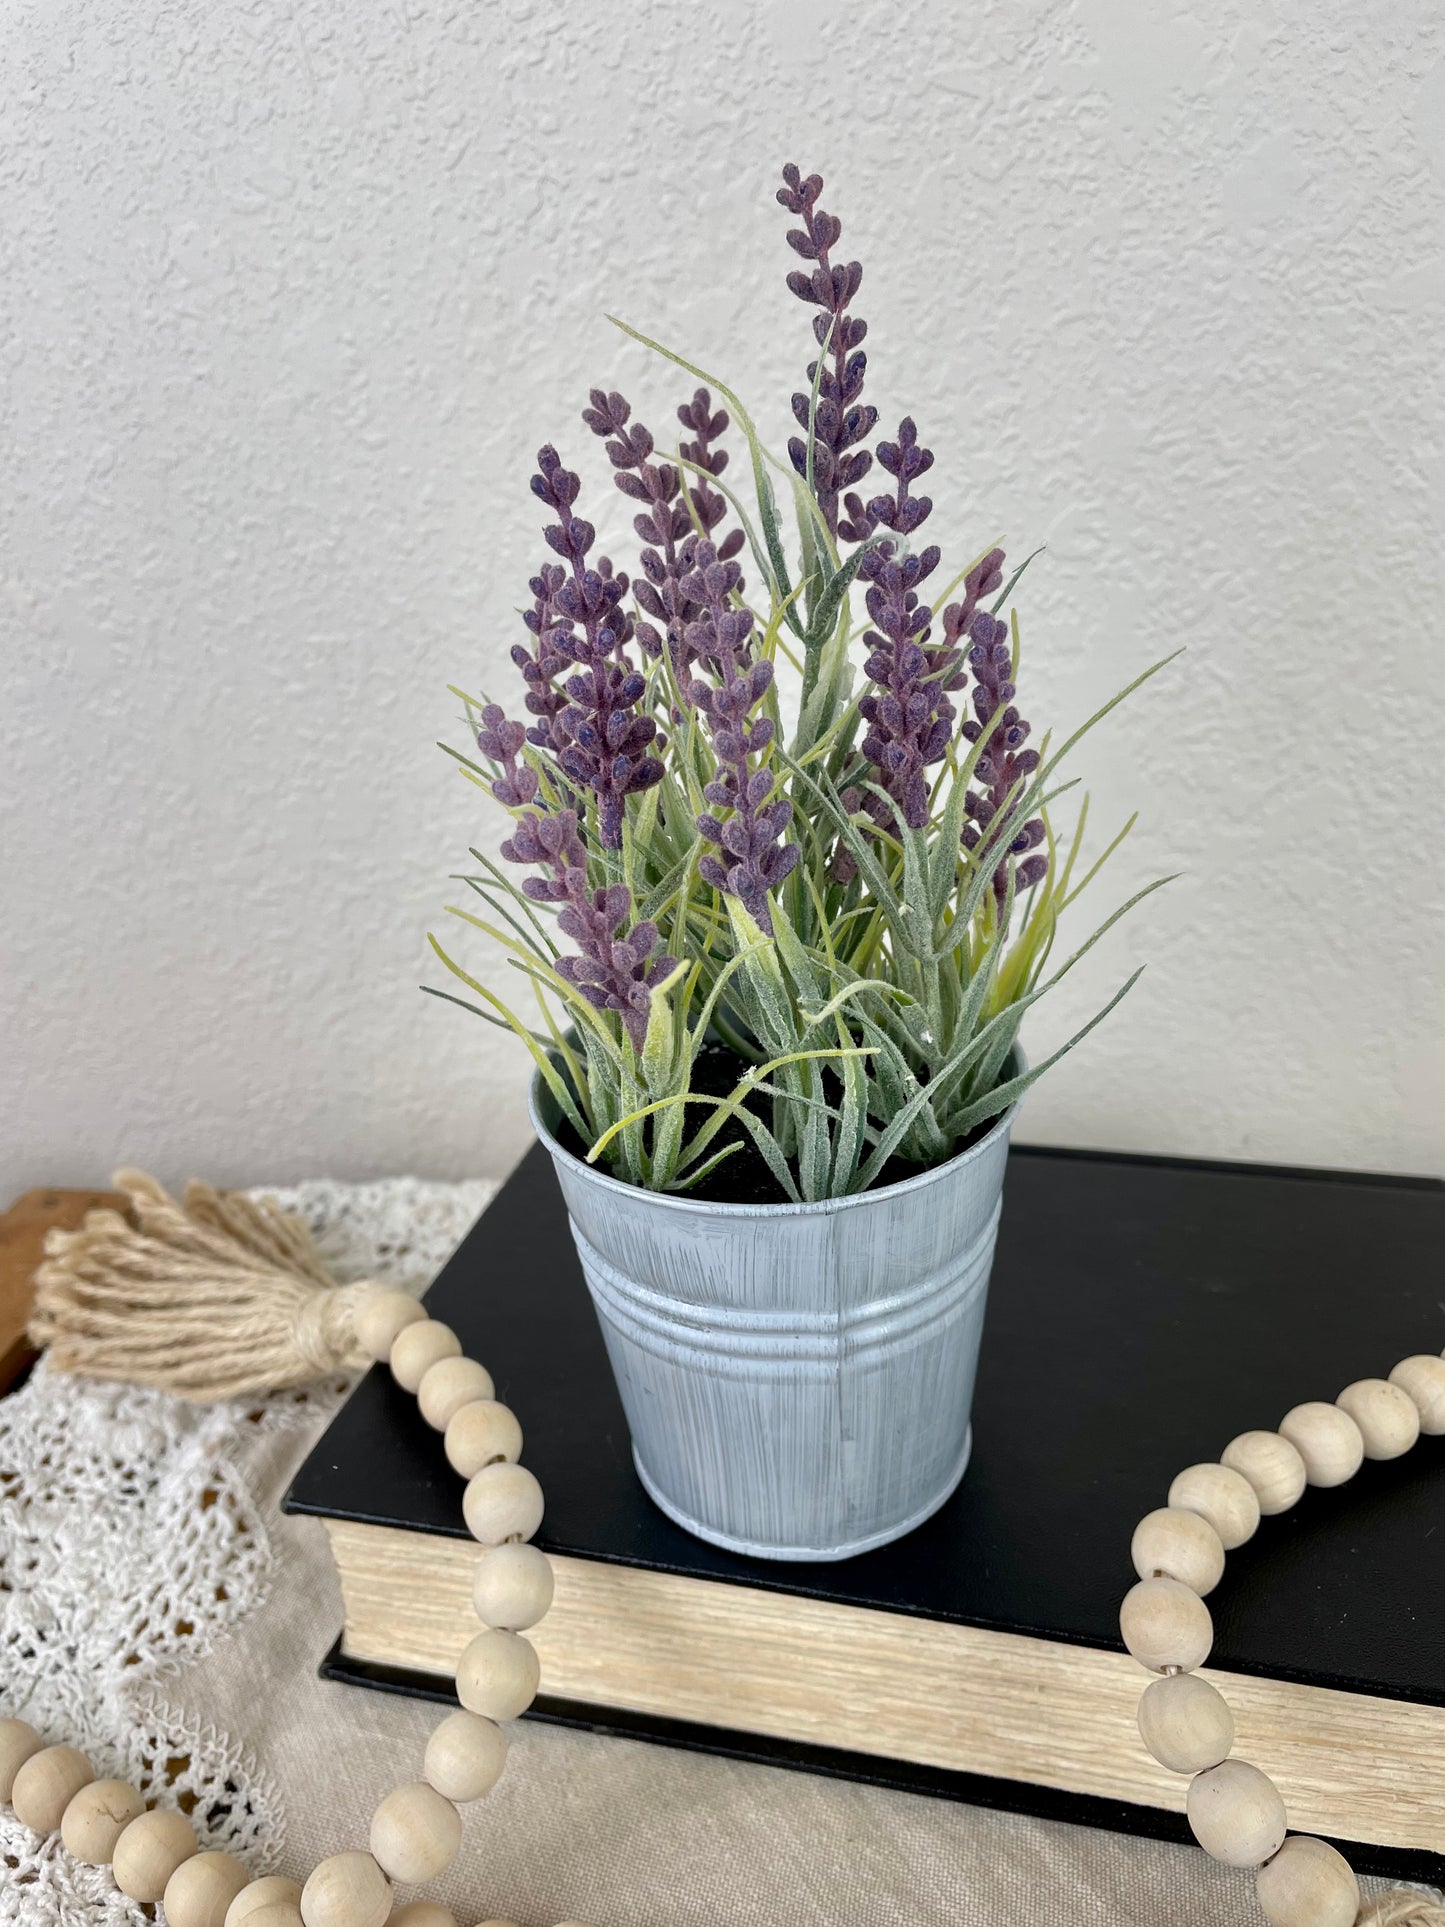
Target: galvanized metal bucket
column 797, row 1377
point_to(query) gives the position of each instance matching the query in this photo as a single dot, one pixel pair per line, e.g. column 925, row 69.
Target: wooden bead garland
column 96, row 1818
column 498, row 1675
column 482, row 1433
column 200, row 1891
column 271, row 1891
column 346, row 1890
column 512, row 1587
column 1166, row 1626
column 18, row 1740
column 449, row 1385
column 1423, row 1377
column 1185, row 1723
column 1234, row 1809
column 415, row 1834
column 1271, row 1465
column 1236, row 1814
column 1177, row 1544
column 276, row 1913
column 1308, row 1884
column 417, row 1349
column 382, row 1317
column 1222, row 1496
column 1327, row 1439
column 502, row 1502
column 46, row 1784
column 1389, row 1419
column 149, row 1851
column 465, row 1756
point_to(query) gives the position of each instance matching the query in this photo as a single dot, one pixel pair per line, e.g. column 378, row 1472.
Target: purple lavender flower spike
column 544, row 662
column 910, row 719
column 751, row 860
column 706, row 426
column 1004, row 762
column 664, row 523
column 982, row 579
column 600, row 739
column 840, row 420
column 502, row 740
column 614, row 972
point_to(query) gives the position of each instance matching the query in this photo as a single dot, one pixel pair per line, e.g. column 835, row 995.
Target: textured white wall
column 289, row 294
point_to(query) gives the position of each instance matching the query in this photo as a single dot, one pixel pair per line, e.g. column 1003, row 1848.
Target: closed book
column 1142, row 1312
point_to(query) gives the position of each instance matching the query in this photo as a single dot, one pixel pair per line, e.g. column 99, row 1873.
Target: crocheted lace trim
column 130, row 1540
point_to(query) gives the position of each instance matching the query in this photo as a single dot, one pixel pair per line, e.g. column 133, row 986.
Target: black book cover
column 1141, row 1313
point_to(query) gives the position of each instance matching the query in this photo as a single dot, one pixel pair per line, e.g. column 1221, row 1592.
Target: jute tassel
column 214, row 1299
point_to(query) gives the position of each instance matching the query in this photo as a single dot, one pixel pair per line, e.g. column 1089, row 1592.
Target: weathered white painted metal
column 797, row 1378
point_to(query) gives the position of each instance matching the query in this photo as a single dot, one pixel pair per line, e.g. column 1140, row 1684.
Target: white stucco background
column 289, row 295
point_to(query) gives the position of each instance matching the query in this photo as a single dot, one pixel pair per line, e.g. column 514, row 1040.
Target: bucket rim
column 821, row 1207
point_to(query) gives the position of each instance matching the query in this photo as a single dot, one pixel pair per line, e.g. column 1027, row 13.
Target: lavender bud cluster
column 1003, row 763
column 840, row 420
column 665, row 524
column 910, row 718
column 600, row 738
column 613, row 972
column 544, row 662
column 502, row 740
column 750, row 860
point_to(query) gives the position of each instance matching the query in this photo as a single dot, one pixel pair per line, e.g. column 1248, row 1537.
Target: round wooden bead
column 96, row 1818
column 1236, row 1813
column 1164, row 1624
column 465, row 1756
column 348, row 1889
column 416, row 1349
column 415, row 1834
column 1271, row 1465
column 200, row 1891
column 1388, row 1418
column 45, row 1785
column 449, row 1385
column 1178, row 1545
column 423, row 1913
column 149, row 1851
column 1185, row 1723
column 481, row 1433
column 502, row 1502
column 272, row 1890
column 1327, row 1439
column 1308, row 1884
column 1222, row 1496
column 381, row 1317
column 18, row 1740
column 1422, row 1376
column 498, row 1675
column 276, row 1913
column 512, row 1586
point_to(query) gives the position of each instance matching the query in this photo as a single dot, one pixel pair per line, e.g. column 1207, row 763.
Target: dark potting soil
column 744, row 1178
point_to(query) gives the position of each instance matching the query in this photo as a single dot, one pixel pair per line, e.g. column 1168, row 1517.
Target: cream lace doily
column 131, row 1540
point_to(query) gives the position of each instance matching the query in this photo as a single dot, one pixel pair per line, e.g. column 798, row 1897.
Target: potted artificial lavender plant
column 782, row 926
